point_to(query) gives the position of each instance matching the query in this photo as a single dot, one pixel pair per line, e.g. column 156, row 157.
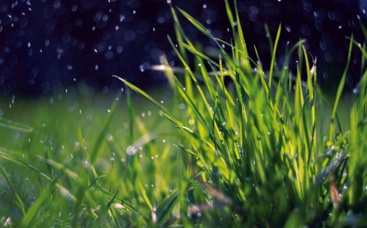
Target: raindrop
column 134, row 11
column 356, row 90
column 122, row 17
column 160, row 20
column 69, row 67
column 119, row 49
column 288, row 28
column 131, row 150
column 96, row 67
column 129, row 35
column 205, row 6
column 169, row 1
column 323, row 45
column 23, row 22
column 108, row 55
column 74, row 8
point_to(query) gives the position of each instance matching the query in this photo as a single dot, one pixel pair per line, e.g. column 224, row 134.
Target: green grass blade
column 103, row 131
column 145, row 197
column 166, row 207
column 20, row 202
column 340, row 91
column 34, row 213
column 14, row 125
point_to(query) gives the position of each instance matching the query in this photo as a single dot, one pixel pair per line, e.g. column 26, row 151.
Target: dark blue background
column 48, row 45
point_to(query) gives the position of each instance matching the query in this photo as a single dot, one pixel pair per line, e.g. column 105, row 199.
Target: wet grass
column 232, row 146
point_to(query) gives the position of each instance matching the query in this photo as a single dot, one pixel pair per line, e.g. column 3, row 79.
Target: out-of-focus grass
column 232, row 146
column 69, row 162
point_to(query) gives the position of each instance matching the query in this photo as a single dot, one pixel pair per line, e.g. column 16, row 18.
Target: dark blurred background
column 48, row 45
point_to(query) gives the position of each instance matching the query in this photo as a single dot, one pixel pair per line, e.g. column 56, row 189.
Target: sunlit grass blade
column 145, row 197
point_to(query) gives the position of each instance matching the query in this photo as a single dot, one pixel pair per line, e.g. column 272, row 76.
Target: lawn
column 227, row 144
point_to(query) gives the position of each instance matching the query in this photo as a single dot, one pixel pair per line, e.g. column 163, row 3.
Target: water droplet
column 356, row 90
column 288, row 28
column 119, row 50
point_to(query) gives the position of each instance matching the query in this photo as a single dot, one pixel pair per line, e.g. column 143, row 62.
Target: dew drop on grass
column 356, row 90
column 131, row 150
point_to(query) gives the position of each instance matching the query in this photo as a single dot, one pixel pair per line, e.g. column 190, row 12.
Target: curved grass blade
column 166, row 206
column 340, row 91
column 14, row 125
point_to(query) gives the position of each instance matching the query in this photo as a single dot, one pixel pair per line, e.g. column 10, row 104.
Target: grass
column 233, row 146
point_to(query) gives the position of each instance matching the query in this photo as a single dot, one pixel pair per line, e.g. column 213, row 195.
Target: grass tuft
column 236, row 144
